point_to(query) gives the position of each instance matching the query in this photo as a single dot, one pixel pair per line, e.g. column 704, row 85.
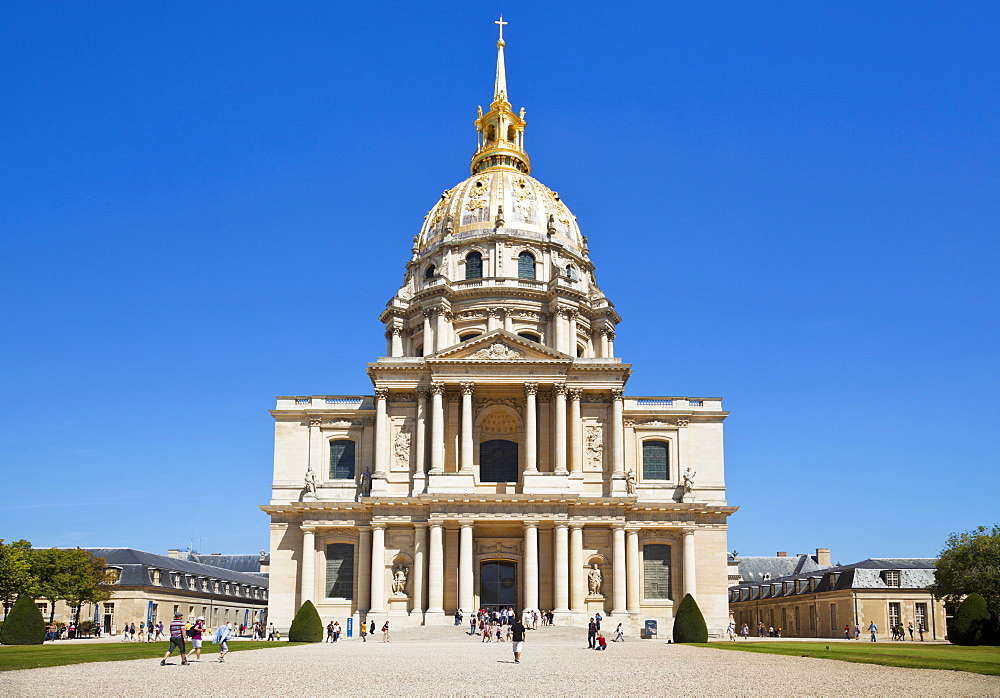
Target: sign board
column 649, row 629
column 350, row 627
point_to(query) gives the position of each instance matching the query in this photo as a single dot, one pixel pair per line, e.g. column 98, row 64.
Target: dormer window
column 891, row 578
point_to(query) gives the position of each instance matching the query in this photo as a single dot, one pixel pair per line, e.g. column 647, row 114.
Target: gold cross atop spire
column 501, row 23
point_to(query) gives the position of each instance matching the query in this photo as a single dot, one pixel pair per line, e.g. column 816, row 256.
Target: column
column 530, row 428
column 441, row 333
column 617, row 433
column 690, row 581
column 381, row 432
column 397, row 341
column 611, row 343
column 435, row 569
column 378, row 569
column 560, row 428
column 530, row 566
column 419, row 571
column 467, row 389
column 572, row 315
column 428, row 333
column 604, row 344
column 577, row 578
column 437, row 428
column 560, row 578
column 420, row 443
column 508, row 320
column 493, row 319
column 633, row 597
column 554, row 334
column 465, row 568
column 618, row 531
column 364, row 568
column 307, row 585
column 575, row 432
column 388, row 342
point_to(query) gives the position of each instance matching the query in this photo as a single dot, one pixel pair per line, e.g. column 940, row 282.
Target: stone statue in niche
column 689, row 480
column 594, row 580
column 629, row 482
column 399, row 574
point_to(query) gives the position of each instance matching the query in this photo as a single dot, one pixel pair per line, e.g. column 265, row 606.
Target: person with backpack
column 195, row 634
column 385, row 632
column 221, row 638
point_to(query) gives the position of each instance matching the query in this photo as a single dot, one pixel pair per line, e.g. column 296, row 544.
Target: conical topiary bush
column 307, row 626
column 24, row 624
column 689, row 623
column 972, row 623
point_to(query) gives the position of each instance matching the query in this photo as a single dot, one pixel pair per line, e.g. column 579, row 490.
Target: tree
column 689, row 623
column 24, row 624
column 72, row 575
column 970, row 563
column 16, row 577
column 972, row 623
column 307, row 626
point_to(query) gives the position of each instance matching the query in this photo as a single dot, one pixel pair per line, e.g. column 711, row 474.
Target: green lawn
column 979, row 660
column 71, row 652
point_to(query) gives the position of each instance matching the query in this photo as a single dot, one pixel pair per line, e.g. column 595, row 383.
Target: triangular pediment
column 499, row 345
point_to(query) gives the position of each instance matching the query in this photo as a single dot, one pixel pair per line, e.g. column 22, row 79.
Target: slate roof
column 136, row 565
column 248, row 564
column 753, row 569
column 914, row 573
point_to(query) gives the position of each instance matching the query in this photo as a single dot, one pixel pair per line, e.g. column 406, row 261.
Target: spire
column 500, row 86
column 500, row 141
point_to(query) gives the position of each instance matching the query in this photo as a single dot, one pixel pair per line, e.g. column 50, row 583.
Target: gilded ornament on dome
column 478, row 193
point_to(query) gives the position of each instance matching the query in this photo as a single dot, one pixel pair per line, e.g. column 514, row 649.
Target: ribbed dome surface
column 471, row 208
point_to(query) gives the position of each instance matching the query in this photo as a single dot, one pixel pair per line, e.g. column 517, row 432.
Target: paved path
column 446, row 662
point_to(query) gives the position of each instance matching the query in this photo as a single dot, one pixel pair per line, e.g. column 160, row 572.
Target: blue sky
column 205, row 205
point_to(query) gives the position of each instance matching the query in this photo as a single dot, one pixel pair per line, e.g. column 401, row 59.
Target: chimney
column 173, row 552
column 822, row 557
column 782, row 554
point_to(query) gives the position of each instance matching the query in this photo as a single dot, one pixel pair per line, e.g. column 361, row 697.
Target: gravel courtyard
column 450, row 663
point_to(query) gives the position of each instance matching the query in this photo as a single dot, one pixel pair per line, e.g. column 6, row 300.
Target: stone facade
column 499, row 461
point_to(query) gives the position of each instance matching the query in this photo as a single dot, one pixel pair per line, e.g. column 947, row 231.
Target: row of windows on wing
column 177, row 579
column 498, row 459
column 656, row 568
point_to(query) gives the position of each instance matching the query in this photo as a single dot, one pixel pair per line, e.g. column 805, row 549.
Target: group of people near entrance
column 494, row 626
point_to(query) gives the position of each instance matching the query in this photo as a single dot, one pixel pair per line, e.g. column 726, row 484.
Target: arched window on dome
column 470, row 335
column 491, row 133
column 430, row 272
column 571, row 273
column 526, row 266
column 511, row 134
column 530, row 336
column 474, row 265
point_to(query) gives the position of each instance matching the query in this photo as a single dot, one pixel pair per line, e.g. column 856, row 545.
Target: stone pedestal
column 545, row 483
column 419, row 484
column 595, row 603
column 399, row 605
column 380, row 487
column 618, row 486
column 451, row 483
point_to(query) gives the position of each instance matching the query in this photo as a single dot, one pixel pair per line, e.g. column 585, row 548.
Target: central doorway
column 497, row 584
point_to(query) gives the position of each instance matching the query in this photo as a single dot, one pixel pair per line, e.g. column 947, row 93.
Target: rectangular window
column 655, row 460
column 43, row 608
column 891, row 578
column 784, row 619
column 656, row 571
column 798, row 621
column 834, row 626
column 894, row 614
column 812, row 618
column 342, row 460
column 340, row 571
column 921, row 616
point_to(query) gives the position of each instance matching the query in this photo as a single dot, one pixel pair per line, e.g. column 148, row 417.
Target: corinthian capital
column 531, row 388
column 437, row 388
column 468, row 388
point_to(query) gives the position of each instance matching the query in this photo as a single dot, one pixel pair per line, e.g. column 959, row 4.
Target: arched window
column 655, row 460
column 530, row 335
column 468, row 336
column 498, row 461
column 431, row 271
column 342, row 460
column 526, row 266
column 473, row 265
column 571, row 273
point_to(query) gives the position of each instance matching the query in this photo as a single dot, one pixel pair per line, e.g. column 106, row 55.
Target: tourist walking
column 336, row 631
column 385, row 632
column 364, row 632
column 619, row 635
column 909, row 626
column 176, row 640
column 920, row 629
column 517, row 635
column 873, row 629
column 196, row 632
column 591, row 634
column 847, row 632
column 329, row 632
column 745, row 631
column 731, row 631
column 221, row 638
column 857, row 632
